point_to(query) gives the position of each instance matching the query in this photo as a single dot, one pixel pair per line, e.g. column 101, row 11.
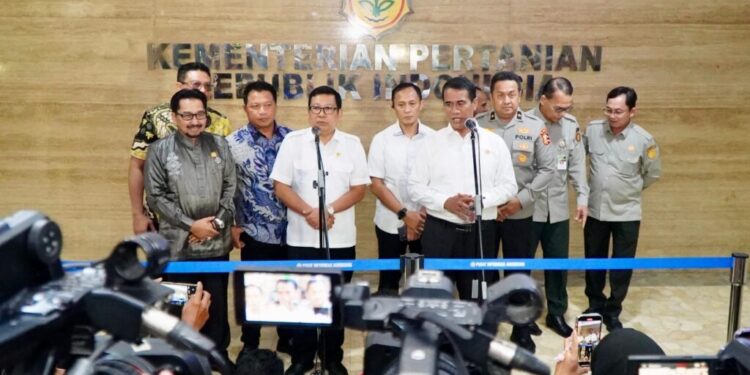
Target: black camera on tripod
column 49, row 318
column 423, row 331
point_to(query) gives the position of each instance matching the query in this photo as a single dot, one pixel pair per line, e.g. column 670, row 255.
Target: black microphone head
column 316, row 130
column 471, row 123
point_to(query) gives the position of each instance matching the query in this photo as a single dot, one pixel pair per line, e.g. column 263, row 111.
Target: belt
column 465, row 228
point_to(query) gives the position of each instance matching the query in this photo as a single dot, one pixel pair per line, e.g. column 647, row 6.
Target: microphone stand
column 320, row 184
column 478, row 205
column 322, row 232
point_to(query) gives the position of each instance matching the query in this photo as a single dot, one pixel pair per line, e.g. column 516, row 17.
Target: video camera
column 49, row 318
column 423, row 331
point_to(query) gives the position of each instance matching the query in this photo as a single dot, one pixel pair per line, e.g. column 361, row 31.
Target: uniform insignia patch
column 545, row 137
column 492, row 115
column 518, row 115
column 631, row 148
column 578, row 134
column 522, row 158
column 523, row 130
column 652, row 152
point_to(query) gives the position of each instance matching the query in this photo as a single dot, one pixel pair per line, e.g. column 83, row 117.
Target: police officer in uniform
column 624, row 160
column 551, row 224
column 533, row 164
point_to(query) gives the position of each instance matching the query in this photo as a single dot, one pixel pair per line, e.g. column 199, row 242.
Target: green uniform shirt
column 570, row 164
column 533, row 157
column 621, row 166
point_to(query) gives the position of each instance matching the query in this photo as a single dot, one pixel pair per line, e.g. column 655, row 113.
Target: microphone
column 316, row 131
column 471, row 123
column 510, row 355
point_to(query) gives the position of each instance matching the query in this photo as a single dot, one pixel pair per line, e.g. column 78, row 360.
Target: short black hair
column 183, row 70
column 324, row 90
column 258, row 86
column 630, row 96
column 461, row 83
column 404, row 86
column 505, row 76
column 556, row 84
column 174, row 103
column 259, row 362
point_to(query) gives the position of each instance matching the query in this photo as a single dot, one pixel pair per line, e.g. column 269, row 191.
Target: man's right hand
column 414, row 221
column 203, row 230
column 313, row 219
column 461, row 205
column 142, row 223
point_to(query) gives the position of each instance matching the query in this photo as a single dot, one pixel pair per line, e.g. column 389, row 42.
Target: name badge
column 562, row 162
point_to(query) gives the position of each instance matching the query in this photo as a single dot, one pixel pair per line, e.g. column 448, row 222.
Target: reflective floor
column 685, row 312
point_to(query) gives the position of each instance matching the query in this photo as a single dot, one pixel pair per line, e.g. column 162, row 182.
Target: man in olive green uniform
column 624, row 160
column 533, row 164
column 551, row 224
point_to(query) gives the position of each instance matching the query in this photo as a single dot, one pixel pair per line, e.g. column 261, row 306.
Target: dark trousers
column 254, row 250
column 515, row 238
column 390, row 246
column 554, row 239
column 443, row 239
column 596, row 236
column 305, row 340
column 217, row 325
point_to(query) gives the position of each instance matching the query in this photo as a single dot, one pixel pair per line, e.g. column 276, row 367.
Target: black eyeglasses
column 326, row 110
column 187, row 116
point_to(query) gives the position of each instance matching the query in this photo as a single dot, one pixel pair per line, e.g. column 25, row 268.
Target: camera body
column 423, row 331
column 48, row 317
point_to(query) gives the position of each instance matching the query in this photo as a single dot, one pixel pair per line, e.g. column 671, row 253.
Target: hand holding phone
column 588, row 335
column 182, row 293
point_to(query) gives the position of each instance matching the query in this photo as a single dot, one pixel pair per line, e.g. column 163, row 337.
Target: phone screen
column 182, row 293
column 681, row 368
column 286, row 298
column 589, row 331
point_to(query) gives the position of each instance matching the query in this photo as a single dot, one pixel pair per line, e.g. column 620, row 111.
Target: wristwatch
column 330, row 210
column 218, row 224
column 401, row 213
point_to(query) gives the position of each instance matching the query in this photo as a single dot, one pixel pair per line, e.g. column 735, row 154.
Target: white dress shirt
column 444, row 168
column 297, row 166
column 391, row 158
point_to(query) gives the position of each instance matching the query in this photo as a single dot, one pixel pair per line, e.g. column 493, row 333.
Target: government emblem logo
column 375, row 17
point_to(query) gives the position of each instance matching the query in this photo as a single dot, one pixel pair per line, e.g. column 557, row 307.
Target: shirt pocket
column 338, row 179
column 305, row 172
column 522, row 152
column 629, row 165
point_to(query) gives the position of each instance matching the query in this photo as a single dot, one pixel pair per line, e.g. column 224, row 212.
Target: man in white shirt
column 442, row 181
column 295, row 173
column 398, row 220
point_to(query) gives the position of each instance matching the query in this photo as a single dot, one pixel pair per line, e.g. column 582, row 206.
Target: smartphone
column 589, row 331
column 182, row 293
column 294, row 297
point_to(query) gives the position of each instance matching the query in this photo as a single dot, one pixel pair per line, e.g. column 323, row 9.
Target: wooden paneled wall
column 75, row 83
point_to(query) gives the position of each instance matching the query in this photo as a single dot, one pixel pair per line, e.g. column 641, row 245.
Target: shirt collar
column 623, row 133
column 187, row 142
column 538, row 113
column 311, row 137
column 256, row 134
column 397, row 131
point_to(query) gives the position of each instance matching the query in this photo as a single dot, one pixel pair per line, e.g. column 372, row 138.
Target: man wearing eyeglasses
column 295, row 176
column 624, row 160
column 260, row 230
column 190, row 181
column 551, row 218
column 533, row 164
column 156, row 124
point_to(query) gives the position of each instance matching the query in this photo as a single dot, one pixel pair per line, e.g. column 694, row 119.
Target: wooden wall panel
column 75, row 83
